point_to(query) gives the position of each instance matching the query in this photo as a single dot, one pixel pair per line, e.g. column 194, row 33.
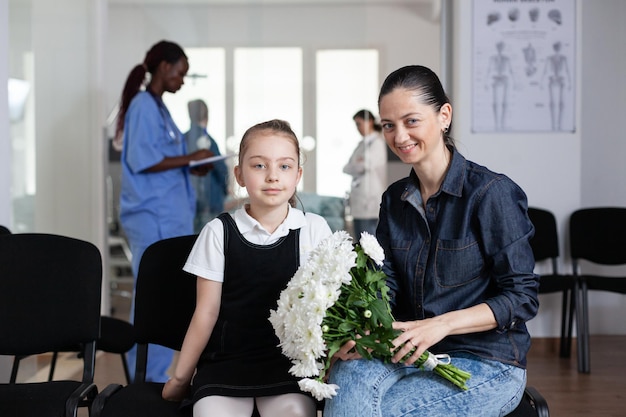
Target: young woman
column 156, row 200
column 242, row 263
column 368, row 168
column 460, row 267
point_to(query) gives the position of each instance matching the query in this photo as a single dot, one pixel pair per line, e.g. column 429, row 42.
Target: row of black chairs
column 116, row 336
column 55, row 303
column 597, row 236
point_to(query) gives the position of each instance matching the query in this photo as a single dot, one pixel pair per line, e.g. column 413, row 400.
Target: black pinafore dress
column 242, row 357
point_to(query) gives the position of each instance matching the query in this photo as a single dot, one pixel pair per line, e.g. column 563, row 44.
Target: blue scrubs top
column 153, row 205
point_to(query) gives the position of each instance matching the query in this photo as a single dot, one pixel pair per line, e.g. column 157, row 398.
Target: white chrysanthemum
column 318, row 389
column 306, row 366
column 372, row 248
column 302, row 306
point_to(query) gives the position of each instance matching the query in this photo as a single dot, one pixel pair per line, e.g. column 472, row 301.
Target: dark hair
column 368, row 115
column 169, row 52
column 424, row 82
column 198, row 111
column 278, row 126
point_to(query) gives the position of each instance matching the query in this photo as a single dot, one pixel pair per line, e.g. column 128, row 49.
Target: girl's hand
column 174, row 390
column 347, row 352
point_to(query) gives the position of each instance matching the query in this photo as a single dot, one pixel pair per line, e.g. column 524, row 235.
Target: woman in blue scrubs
column 157, row 200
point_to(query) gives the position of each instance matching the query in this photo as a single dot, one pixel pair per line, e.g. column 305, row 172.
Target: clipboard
column 209, row 160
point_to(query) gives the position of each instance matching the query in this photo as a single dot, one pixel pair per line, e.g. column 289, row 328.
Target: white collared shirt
column 206, row 259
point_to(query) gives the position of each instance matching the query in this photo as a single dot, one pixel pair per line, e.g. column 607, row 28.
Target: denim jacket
column 470, row 245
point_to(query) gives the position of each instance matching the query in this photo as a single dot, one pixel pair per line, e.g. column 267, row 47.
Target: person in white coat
column 368, row 168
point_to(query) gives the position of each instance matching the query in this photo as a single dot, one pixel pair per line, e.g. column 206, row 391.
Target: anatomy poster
column 523, row 66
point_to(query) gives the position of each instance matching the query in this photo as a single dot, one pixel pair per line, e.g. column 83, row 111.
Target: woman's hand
column 175, row 390
column 201, row 170
column 419, row 335
column 422, row 334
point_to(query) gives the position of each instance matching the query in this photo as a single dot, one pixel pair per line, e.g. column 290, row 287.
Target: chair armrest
column 83, row 395
column 101, row 399
column 541, row 405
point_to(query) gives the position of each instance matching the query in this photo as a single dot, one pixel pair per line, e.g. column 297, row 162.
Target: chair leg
column 53, row 364
column 125, row 365
column 566, row 325
column 582, row 319
column 15, row 369
column 570, row 321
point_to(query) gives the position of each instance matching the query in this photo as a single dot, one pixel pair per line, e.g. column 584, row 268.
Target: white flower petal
column 318, row 389
column 372, row 248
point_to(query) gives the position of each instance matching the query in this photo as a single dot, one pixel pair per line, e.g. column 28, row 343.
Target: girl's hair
column 424, row 82
column 169, row 52
column 367, row 116
column 277, row 126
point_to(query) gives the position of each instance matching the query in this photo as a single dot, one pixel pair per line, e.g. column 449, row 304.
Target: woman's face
column 364, row 127
column 174, row 74
column 413, row 130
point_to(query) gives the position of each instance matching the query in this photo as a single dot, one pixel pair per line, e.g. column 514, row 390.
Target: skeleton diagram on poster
column 523, row 66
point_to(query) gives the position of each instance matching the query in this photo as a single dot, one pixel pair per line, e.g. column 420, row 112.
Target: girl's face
column 269, row 169
column 412, row 130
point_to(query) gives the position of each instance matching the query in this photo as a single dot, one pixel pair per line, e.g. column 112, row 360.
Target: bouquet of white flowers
column 340, row 294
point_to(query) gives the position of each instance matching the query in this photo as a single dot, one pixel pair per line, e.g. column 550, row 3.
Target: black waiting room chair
column 533, row 405
column 597, row 236
column 50, row 288
column 545, row 246
column 116, row 336
column 165, row 299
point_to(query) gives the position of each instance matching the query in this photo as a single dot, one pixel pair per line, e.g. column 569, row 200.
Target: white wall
column 5, row 143
column 603, row 98
column 562, row 171
column 68, row 129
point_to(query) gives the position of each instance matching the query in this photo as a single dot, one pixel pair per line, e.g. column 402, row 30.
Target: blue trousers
column 375, row 389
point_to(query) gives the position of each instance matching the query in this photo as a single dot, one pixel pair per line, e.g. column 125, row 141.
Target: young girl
column 242, row 262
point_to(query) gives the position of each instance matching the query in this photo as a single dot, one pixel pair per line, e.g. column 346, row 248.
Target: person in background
column 157, row 200
column 368, row 168
column 212, row 189
column 242, row 262
column 459, row 266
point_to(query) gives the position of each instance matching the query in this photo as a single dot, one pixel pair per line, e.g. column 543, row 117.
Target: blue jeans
column 374, row 389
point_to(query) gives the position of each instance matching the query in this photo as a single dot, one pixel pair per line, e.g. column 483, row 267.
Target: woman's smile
column 406, row 148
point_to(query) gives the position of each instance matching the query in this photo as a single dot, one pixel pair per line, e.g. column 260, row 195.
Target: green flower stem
column 448, row 371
